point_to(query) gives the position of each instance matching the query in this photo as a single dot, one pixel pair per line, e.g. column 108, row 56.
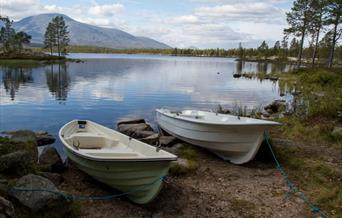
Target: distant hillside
column 85, row 34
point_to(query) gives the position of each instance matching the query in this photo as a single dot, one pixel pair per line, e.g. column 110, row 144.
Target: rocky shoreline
column 199, row 183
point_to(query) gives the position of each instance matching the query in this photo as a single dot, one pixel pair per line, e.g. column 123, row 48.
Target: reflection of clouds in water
column 114, row 89
column 102, row 87
column 26, row 94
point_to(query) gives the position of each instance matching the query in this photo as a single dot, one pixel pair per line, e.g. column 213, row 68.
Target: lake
column 106, row 88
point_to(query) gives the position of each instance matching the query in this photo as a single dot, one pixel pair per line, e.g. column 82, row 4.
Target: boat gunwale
column 117, row 159
column 197, row 121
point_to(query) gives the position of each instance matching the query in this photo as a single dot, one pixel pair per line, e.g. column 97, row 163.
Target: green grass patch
column 187, row 162
column 322, row 182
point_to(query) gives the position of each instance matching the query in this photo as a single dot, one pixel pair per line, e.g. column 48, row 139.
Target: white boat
column 232, row 138
column 115, row 159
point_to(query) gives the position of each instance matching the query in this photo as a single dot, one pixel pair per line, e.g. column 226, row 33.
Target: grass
column 321, row 181
column 190, row 156
column 316, row 106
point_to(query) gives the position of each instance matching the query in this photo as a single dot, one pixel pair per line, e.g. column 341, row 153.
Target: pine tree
column 333, row 18
column 276, row 48
column 298, row 19
column 49, row 37
column 294, row 47
column 318, row 9
column 263, row 50
column 57, row 34
column 11, row 40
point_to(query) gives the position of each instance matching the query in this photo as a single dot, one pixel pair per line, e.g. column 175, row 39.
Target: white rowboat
column 115, row 159
column 232, row 138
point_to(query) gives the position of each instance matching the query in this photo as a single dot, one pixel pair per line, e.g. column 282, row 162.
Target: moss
column 75, row 209
column 188, row 153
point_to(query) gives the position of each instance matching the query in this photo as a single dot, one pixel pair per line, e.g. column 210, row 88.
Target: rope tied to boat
column 71, row 197
column 291, row 186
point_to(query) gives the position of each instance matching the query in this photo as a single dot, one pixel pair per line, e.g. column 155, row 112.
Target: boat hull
column 128, row 165
column 142, row 180
column 236, row 143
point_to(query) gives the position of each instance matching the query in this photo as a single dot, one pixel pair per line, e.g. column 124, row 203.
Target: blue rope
column 85, row 198
column 292, row 188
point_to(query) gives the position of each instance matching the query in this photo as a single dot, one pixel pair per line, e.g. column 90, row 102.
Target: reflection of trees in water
column 239, row 66
column 58, row 81
column 14, row 77
column 262, row 67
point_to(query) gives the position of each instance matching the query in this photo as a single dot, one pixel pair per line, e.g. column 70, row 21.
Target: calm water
column 107, row 88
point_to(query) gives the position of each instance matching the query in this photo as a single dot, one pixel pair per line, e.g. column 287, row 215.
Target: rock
column 51, row 160
column 135, row 121
column 56, row 178
column 3, row 187
column 39, row 201
column 273, row 78
column 166, row 140
column 142, row 134
column 44, row 138
column 6, row 208
column 22, row 136
column 296, row 92
column 130, row 129
column 276, row 106
column 152, row 139
column 174, row 149
column 337, row 132
column 19, row 162
column 237, row 75
column 19, row 140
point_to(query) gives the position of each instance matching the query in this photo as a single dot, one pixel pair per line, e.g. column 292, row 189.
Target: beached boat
column 115, row 159
column 232, row 138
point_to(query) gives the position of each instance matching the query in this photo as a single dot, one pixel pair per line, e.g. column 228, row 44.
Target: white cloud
column 186, row 19
column 211, row 23
column 106, row 10
column 253, row 11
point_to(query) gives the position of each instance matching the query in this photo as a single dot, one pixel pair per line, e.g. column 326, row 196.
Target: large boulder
column 142, row 134
column 6, row 208
column 44, row 138
column 39, row 201
column 22, row 136
column 337, row 132
column 166, row 140
column 19, row 162
column 56, row 178
column 16, row 143
column 276, row 106
column 135, row 121
column 50, row 160
column 132, row 129
column 152, row 139
column 174, row 149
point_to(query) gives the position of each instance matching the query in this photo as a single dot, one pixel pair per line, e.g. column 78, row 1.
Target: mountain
column 85, row 34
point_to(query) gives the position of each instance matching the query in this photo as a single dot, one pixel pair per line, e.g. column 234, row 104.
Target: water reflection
column 14, row 77
column 58, row 81
column 107, row 90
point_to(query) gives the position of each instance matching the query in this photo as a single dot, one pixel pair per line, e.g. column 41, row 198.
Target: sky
column 178, row 23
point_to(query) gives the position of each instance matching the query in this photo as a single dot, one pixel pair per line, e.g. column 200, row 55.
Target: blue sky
column 199, row 23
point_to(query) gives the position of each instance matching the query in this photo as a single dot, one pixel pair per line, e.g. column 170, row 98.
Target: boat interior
column 207, row 116
column 94, row 140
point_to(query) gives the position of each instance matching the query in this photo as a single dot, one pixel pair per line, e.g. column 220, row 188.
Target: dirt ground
column 216, row 189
